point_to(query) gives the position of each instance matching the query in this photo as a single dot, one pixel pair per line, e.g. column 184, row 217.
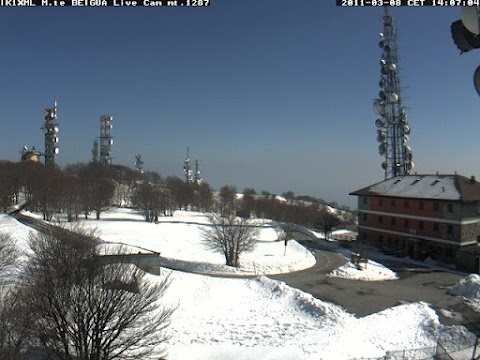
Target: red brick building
column 423, row 215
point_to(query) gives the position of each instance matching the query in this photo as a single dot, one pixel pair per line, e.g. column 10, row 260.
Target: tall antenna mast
column 392, row 126
column 50, row 129
column 139, row 163
column 95, row 151
column 187, row 169
column 106, row 139
column 198, row 177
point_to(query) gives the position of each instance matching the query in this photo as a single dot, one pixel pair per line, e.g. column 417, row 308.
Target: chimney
column 472, row 180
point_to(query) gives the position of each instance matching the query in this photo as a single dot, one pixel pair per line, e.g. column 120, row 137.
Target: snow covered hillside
column 238, row 318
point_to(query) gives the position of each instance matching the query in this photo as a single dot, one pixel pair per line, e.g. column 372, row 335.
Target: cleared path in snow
column 368, row 297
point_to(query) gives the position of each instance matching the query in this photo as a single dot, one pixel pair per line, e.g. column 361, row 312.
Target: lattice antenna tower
column 50, row 129
column 392, row 126
column 106, row 139
column 95, row 150
column 198, row 177
column 139, row 163
column 187, row 170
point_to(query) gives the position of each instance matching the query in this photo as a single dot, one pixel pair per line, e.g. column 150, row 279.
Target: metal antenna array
column 187, row 169
column 139, row 163
column 50, row 129
column 95, row 151
column 106, row 139
column 392, row 126
column 198, row 178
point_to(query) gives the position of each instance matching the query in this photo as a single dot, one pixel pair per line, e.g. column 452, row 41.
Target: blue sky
column 271, row 94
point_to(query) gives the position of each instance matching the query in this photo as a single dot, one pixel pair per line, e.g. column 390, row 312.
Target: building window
column 450, row 208
column 393, row 221
column 436, row 206
column 392, row 202
column 365, row 200
column 406, row 223
column 364, row 217
column 380, row 219
column 449, row 229
column 420, row 225
column 435, row 227
column 406, row 204
column 380, row 201
column 421, row 205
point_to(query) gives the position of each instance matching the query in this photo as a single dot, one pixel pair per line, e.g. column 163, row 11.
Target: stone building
column 422, row 216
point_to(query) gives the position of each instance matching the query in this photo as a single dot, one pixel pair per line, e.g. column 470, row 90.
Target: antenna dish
column 381, row 35
column 379, row 123
column 470, row 19
column 384, row 165
column 56, row 150
column 381, row 149
column 393, row 97
column 476, row 80
column 379, row 107
column 382, row 95
column 392, row 67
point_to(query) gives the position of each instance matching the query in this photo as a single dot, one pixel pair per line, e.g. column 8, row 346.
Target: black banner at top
column 100, row 3
column 409, row 3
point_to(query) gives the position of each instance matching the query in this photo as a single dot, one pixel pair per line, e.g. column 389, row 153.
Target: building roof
column 440, row 187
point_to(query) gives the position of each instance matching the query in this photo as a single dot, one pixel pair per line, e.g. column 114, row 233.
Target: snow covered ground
column 178, row 239
column 239, row 319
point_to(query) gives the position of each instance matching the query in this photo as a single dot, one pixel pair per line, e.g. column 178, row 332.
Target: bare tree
column 230, row 236
column 8, row 253
column 86, row 309
column 227, row 199
column 13, row 330
column 328, row 221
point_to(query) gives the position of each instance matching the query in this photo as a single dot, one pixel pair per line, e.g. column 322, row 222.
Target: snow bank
column 469, row 288
column 373, row 271
column 266, row 319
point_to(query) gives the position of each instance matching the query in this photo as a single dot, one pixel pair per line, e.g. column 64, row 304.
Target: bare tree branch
column 230, row 236
column 90, row 310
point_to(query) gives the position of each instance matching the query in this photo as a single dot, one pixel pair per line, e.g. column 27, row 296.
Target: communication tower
column 139, row 163
column 198, row 178
column 95, row 151
column 187, row 168
column 392, row 125
column 50, row 129
column 106, row 139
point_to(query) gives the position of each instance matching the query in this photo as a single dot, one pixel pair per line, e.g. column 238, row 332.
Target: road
column 368, row 297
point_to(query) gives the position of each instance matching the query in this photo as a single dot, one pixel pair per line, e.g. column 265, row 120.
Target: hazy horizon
column 268, row 94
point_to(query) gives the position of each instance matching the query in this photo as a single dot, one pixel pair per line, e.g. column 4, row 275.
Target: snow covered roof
column 441, row 187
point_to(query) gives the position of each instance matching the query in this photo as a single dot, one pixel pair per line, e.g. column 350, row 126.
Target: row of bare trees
column 68, row 303
column 84, row 188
